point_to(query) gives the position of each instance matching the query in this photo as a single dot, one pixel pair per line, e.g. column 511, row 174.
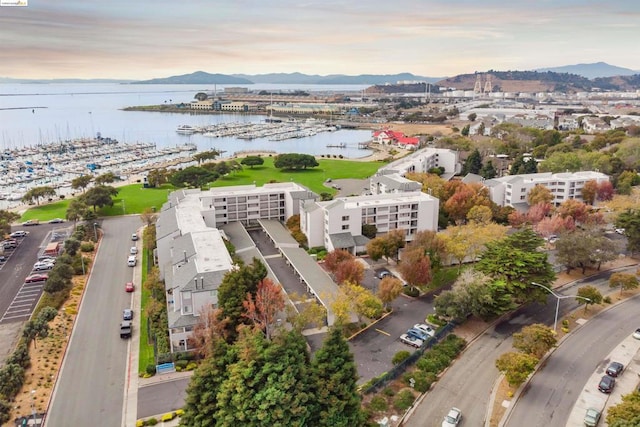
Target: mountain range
column 593, row 71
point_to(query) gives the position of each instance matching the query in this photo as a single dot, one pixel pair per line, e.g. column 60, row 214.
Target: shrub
column 400, row 357
column 168, row 416
column 182, row 364
column 20, row 356
column 151, row 422
column 151, row 369
column 191, row 366
column 411, row 291
column 87, row 247
column 403, row 400
column 77, row 265
column 423, row 380
column 388, row 391
column 180, row 412
column 378, row 404
column 606, row 300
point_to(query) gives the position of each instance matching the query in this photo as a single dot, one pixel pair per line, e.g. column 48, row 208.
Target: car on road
column 607, row 384
column 425, row 328
column 412, row 341
column 636, row 334
column 30, row 223
column 134, row 237
column 18, row 233
column 9, row 244
column 129, row 287
column 42, row 266
column 125, row 329
column 127, row 314
column 131, row 261
column 56, row 221
column 3, row 258
column 133, row 250
column 36, row 278
column 592, row 417
column 453, row 418
column 614, row 369
column 620, row 230
column 381, row 274
column 417, row 333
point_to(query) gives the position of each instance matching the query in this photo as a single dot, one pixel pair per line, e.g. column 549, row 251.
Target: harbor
column 271, row 130
column 57, row 164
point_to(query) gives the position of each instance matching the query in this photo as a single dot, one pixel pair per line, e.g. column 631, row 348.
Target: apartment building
column 337, row 224
column 512, row 190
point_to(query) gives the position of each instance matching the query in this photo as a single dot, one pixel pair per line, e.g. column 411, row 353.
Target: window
column 345, row 218
column 186, row 295
column 345, row 227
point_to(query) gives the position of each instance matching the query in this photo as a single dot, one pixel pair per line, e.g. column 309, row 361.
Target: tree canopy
column 295, row 161
column 99, row 196
column 37, row 193
column 252, row 161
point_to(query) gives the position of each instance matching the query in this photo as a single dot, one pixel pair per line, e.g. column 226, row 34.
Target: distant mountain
column 335, row 79
column 592, row 71
column 199, row 77
column 74, row 81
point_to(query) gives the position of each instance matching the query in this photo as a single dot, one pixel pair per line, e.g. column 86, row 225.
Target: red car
column 129, row 287
column 36, row 278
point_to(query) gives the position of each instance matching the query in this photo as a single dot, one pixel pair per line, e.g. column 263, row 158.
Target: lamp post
column 95, row 231
column 558, row 298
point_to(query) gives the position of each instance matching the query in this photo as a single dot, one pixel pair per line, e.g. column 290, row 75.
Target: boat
column 186, row 130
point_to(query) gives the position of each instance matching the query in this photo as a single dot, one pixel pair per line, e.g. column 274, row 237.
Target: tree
column 157, row 177
column 467, row 242
column 37, row 193
column 535, row 340
column 626, row 413
column 81, row 182
column 605, row 191
column 625, row 281
column 376, row 248
column 590, row 296
column 539, row 194
column 472, row 117
column 309, row 314
column 192, row 176
column 516, row 367
column 388, row 289
column 71, row 246
column 252, row 161
column 349, row 271
column 295, row 161
column 148, row 217
column 585, row 247
column 432, row 244
column 269, row 302
column 488, row 171
column 575, row 209
column 630, row 221
column 431, row 183
column 480, row 215
column 415, row 267
column 369, row 230
column 464, row 199
column 6, row 219
column 201, row 96
column 105, row 178
column 334, row 387
column 590, row 192
column 335, row 257
column 99, row 196
column 387, row 245
column 473, row 163
column 206, row 155
column 11, row 380
column 465, row 130
column 76, row 210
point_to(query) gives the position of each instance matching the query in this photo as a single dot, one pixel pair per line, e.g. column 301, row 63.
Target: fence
column 376, row 384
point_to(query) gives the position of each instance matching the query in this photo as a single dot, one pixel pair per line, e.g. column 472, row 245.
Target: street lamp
column 95, row 231
column 559, row 297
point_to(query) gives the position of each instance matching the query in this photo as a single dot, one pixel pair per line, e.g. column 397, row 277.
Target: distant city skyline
column 146, row 39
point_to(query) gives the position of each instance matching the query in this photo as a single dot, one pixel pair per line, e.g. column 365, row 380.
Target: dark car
column 614, row 369
column 125, row 329
column 417, row 333
column 606, row 384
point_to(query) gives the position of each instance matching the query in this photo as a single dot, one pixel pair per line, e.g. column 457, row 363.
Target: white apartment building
column 512, row 190
column 337, row 224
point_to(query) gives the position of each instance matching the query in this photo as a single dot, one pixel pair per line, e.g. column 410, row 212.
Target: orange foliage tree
column 269, row 301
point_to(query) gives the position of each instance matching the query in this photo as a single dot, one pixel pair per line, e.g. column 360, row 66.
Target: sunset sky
column 140, row 39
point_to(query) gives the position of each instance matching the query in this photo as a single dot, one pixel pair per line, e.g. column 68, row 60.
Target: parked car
column 9, row 244
column 42, row 266
column 18, row 233
column 132, row 261
column 592, row 417
column 607, row 384
column 127, row 314
column 125, row 329
column 412, row 341
column 620, row 230
column 47, row 258
column 636, row 334
column 614, row 369
column 56, row 221
column 418, row 334
column 383, row 273
column 453, row 417
column 129, row 287
column 36, row 278
column 425, row 328
column 31, row 222
column 133, row 250
column 3, row 258
column 134, row 237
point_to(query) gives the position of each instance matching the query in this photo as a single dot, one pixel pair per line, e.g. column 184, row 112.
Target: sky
column 142, row 39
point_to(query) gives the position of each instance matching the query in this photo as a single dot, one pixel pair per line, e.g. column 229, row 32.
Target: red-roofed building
column 396, row 138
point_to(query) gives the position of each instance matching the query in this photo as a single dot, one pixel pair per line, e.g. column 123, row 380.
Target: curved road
column 550, row 395
column 91, row 384
column 469, row 382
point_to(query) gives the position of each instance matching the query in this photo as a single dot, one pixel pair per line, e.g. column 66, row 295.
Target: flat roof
column 278, row 233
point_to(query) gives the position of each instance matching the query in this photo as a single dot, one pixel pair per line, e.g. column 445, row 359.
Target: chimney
column 195, row 280
column 201, row 282
column 185, row 256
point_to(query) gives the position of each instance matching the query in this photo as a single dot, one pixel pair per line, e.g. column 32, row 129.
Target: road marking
column 383, row 332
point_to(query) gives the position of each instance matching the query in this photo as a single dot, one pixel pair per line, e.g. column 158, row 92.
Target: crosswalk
column 23, row 303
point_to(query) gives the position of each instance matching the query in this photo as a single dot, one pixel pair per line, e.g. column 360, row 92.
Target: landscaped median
column 164, row 418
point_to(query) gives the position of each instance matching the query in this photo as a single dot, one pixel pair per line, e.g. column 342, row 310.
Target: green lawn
column 146, row 349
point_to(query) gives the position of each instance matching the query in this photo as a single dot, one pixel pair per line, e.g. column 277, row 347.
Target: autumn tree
column 537, row 213
column 349, row 271
column 431, row 244
column 307, row 313
column 605, row 191
column 625, row 281
column 386, row 246
column 539, row 194
column 208, row 332
column 431, row 183
column 535, row 340
column 626, row 413
column 555, row 224
column 388, row 289
column 589, row 295
column 415, row 267
column 516, row 367
column 467, row 242
column 575, row 209
column 464, row 199
column 269, row 302
column 480, row 215
column 590, row 192
column 335, row 257
column 359, row 300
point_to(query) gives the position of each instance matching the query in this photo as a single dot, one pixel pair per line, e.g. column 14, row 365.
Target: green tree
column 157, row 177
column 465, row 130
column 192, row 176
column 583, row 248
column 369, row 230
column 11, row 380
column 99, row 196
column 76, row 210
column 535, row 340
column 624, row 281
column 473, row 163
column 71, row 246
column 630, row 221
column 472, row 117
column 627, row 413
column 295, row 161
column 105, row 178
column 516, row 367
column 206, row 155
column 591, row 293
column 252, row 161
column 81, row 182
column 335, row 391
column 6, row 219
column 488, row 171
column 37, row 193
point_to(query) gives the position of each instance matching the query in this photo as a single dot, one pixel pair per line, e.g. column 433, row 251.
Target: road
column 468, row 383
column 162, row 397
column 90, row 387
column 552, row 392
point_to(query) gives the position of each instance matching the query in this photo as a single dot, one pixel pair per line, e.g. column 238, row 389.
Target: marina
column 271, row 130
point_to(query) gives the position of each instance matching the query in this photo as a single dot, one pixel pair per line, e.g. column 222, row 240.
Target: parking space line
column 383, row 332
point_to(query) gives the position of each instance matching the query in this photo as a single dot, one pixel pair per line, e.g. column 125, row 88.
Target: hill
column 335, row 79
column 592, row 71
column 199, row 77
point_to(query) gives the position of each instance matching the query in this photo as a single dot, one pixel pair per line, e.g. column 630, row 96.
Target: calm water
column 40, row 113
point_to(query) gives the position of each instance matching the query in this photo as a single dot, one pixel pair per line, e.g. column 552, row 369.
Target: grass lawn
column 311, row 178
column 146, row 349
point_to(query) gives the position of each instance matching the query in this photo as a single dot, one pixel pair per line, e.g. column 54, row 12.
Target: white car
column 133, row 250
column 412, row 341
column 636, row 334
column 620, row 230
column 41, row 266
column 452, row 419
column 425, row 328
column 19, row 233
